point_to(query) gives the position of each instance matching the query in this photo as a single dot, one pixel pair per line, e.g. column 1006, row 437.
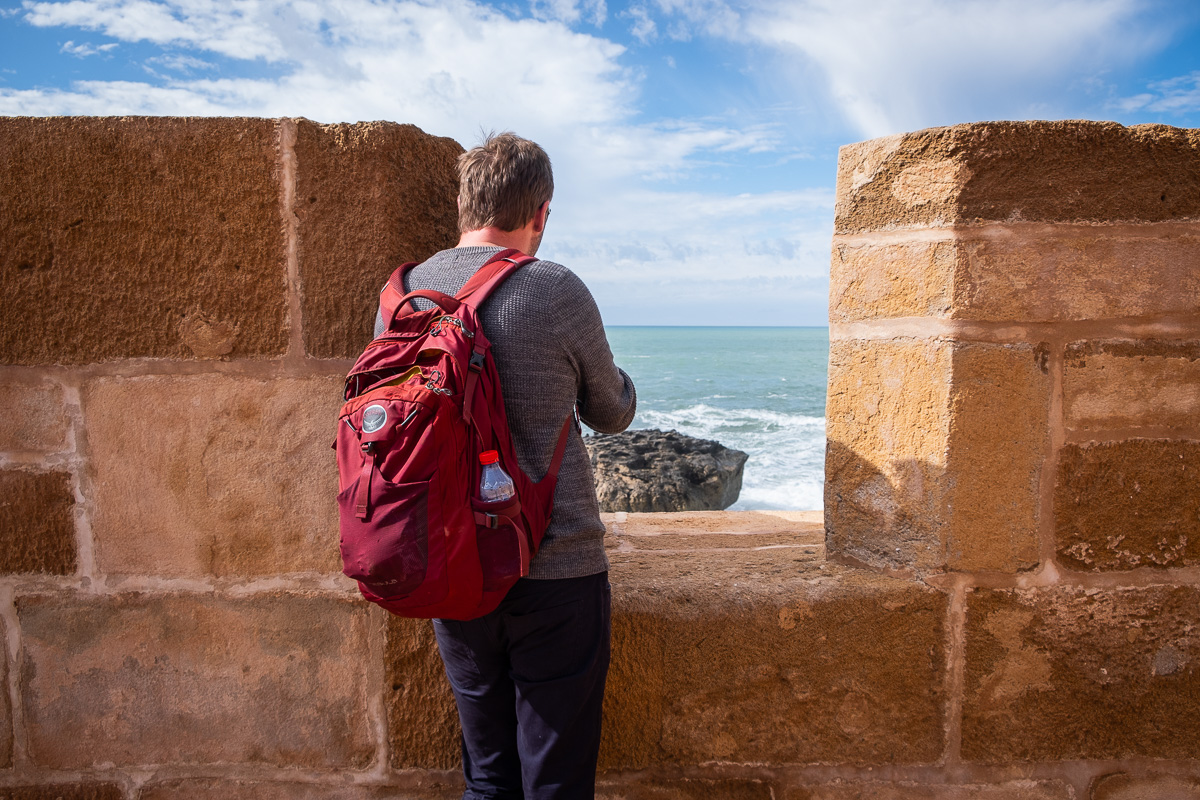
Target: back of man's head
column 502, row 182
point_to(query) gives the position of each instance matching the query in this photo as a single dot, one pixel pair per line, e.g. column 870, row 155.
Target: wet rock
column 652, row 470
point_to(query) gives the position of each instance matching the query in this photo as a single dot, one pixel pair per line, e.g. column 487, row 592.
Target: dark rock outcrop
column 652, row 470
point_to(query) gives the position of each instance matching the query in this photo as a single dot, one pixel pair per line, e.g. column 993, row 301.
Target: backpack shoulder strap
column 392, row 295
column 493, row 273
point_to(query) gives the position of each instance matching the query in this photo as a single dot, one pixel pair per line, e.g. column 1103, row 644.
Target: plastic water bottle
column 494, row 483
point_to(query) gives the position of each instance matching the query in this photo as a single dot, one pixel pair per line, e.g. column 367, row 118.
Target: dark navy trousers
column 529, row 682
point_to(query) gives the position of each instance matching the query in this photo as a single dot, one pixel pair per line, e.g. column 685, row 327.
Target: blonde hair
column 502, row 182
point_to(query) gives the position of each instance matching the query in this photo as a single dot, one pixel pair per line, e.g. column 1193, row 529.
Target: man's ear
column 539, row 217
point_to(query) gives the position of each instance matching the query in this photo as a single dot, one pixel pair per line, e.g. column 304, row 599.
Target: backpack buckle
column 476, row 362
column 493, row 521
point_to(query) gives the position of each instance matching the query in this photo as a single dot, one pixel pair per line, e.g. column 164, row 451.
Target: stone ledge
column 723, row 652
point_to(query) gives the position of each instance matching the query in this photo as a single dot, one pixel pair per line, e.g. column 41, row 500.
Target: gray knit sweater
column 551, row 352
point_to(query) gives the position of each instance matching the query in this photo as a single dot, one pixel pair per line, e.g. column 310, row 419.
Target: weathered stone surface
column 142, row 227
column 218, row 789
column 32, row 417
column 730, row 532
column 878, row 281
column 369, row 197
column 1121, row 505
column 771, row 659
column 934, row 453
column 1066, row 673
column 1127, row 384
column 887, row 425
column 999, row 411
column 63, row 791
column 866, row 790
column 1084, row 273
column 37, row 527
column 1018, row 273
column 195, row 679
column 1123, row 786
column 213, row 475
column 1069, row 171
column 423, row 730
column 6, row 716
column 653, row 470
column 688, row 789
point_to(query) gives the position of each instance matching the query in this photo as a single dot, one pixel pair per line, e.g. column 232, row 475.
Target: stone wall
column 1014, row 416
column 1009, row 603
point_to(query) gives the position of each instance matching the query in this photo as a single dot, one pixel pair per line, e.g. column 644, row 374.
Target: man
column 529, row 677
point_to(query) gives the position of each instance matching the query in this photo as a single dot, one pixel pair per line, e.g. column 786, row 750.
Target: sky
column 694, row 142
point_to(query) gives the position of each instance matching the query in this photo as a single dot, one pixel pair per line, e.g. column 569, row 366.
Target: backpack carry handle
column 443, row 301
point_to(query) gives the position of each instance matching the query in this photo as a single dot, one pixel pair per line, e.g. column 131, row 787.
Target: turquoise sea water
column 759, row 390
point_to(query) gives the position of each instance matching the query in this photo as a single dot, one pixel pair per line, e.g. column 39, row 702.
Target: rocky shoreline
column 653, row 470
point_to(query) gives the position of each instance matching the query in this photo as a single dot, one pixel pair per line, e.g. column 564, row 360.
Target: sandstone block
column 32, row 417
column 369, row 197
column 423, row 730
column 140, row 237
column 1067, row 673
column 866, row 790
column 1126, row 384
column 1121, row 505
column 37, row 526
column 1078, row 274
column 687, row 789
column 1067, row 171
column 211, row 475
column 999, row 411
column 770, row 659
column 887, row 423
column 1123, row 786
column 195, row 679
column 219, row 789
column 878, row 281
column 63, row 791
column 1015, row 273
column 934, row 453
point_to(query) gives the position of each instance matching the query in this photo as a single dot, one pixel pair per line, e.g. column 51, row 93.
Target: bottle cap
column 489, row 457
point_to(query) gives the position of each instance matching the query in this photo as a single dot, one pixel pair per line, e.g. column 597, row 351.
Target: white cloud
column 84, row 49
column 444, row 66
column 895, row 66
column 236, row 30
column 180, row 63
column 570, row 11
column 1179, row 95
column 643, row 27
column 709, row 17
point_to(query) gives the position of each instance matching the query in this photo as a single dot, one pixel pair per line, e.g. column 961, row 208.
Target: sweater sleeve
column 607, row 399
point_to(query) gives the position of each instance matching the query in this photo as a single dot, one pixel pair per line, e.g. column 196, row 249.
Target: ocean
column 758, row 390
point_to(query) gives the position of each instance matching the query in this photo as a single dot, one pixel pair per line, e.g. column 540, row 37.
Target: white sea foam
column 759, row 390
column 786, row 464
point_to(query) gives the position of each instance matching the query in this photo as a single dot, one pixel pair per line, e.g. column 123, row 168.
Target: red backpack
column 422, row 402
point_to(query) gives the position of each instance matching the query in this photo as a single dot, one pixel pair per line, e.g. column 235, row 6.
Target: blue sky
column 694, row 141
